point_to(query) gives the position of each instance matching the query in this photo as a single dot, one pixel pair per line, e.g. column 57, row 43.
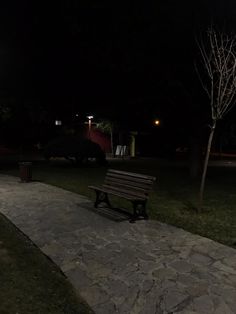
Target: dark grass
column 174, row 196
column 30, row 282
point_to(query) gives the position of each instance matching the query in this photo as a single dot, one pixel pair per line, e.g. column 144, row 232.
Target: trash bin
column 25, row 171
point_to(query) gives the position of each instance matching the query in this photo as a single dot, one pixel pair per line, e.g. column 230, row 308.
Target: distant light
column 90, row 117
column 58, row 122
column 77, row 115
column 156, row 122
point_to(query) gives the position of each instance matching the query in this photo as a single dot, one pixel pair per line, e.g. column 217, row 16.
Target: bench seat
column 115, row 192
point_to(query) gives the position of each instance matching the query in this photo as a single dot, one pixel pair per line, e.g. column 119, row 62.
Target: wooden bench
column 133, row 187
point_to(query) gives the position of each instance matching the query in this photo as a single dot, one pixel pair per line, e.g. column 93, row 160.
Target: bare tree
column 218, row 78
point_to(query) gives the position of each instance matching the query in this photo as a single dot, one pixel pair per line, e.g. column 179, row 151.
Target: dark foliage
column 75, row 148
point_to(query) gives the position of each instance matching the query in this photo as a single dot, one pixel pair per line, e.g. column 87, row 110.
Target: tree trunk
column 195, row 161
column 112, row 146
column 206, row 165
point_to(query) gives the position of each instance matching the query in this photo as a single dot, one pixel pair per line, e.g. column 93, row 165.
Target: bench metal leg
column 102, row 197
column 139, row 210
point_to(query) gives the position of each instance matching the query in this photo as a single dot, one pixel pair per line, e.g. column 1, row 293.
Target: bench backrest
column 133, row 184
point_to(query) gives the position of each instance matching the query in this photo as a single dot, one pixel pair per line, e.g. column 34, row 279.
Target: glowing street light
column 156, row 122
column 58, row 122
column 89, row 125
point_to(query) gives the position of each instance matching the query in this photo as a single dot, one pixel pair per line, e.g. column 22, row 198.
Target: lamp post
column 132, row 143
column 89, row 125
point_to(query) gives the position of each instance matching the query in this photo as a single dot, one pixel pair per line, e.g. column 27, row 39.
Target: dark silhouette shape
column 75, row 149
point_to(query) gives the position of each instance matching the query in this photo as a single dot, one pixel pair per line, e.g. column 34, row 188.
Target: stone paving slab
column 142, row 268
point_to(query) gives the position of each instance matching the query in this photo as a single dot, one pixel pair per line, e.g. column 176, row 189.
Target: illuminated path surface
column 118, row 267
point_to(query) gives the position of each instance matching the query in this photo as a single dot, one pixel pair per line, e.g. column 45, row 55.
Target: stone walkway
column 118, row 267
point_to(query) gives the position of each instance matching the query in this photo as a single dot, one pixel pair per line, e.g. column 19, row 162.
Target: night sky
column 105, row 57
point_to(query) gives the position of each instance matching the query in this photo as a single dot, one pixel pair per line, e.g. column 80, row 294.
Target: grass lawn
column 174, row 196
column 30, row 282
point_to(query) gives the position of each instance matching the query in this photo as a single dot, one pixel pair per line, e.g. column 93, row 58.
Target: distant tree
column 24, row 122
column 5, row 112
column 218, row 78
column 107, row 126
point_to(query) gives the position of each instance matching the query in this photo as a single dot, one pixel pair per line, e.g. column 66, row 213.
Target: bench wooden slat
column 131, row 174
column 129, row 178
column 136, row 185
column 132, row 193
